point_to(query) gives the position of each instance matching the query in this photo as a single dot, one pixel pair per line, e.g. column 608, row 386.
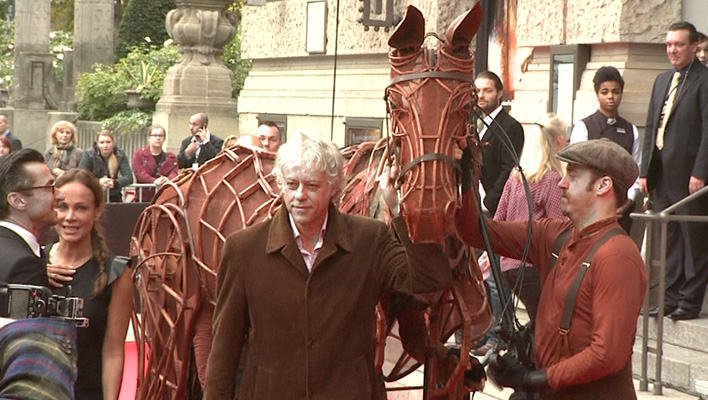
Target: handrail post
column 643, row 380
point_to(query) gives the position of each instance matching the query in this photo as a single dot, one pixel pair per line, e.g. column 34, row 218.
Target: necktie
column 667, row 110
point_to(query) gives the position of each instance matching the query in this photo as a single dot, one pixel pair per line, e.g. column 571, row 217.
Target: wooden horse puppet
column 178, row 239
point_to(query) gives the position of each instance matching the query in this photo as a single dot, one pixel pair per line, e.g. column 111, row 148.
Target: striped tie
column 666, row 112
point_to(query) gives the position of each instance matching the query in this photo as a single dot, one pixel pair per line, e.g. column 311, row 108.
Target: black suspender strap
column 558, row 246
column 571, row 298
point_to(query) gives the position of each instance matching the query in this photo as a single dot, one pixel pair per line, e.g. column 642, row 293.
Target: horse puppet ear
column 410, row 32
column 460, row 33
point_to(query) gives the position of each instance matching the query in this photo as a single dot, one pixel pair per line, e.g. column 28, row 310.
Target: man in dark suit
column 304, row 286
column 27, row 203
column 5, row 130
column 201, row 146
column 675, row 164
column 500, row 134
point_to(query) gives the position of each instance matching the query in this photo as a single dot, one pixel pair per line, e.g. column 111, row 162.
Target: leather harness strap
column 432, row 74
column 572, row 296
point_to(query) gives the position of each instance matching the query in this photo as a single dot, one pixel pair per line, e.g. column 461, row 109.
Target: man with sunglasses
column 27, row 203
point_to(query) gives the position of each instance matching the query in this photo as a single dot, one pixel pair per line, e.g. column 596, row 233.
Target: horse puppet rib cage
column 178, row 239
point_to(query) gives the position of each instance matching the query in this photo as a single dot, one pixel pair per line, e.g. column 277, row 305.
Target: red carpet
column 130, row 372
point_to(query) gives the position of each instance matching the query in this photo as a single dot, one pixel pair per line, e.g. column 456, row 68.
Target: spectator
column 80, row 264
column 675, row 165
column 702, row 52
column 607, row 123
column 500, row 134
column 5, row 146
column 201, row 146
column 325, row 272
column 154, row 165
column 543, row 172
column 63, row 154
column 109, row 164
column 5, row 131
column 269, row 135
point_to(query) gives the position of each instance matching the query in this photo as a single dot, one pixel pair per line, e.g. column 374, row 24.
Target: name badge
column 621, row 130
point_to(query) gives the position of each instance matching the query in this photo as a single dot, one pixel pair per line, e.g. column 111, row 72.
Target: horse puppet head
column 430, row 98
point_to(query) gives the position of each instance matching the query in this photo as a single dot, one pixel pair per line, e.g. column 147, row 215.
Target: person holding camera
column 81, row 265
column 201, row 146
column 594, row 279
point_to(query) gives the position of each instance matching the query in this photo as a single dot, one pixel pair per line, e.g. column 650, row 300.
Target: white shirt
column 580, row 134
column 306, row 255
column 488, row 120
column 26, row 235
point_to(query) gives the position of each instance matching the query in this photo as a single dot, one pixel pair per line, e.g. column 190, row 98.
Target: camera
column 19, row 301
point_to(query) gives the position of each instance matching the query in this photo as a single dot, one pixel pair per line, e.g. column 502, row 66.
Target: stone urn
column 135, row 101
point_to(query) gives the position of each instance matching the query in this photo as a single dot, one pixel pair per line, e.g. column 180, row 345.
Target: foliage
column 142, row 20
column 101, row 94
column 62, row 16
column 128, row 121
column 232, row 58
column 60, row 41
column 7, row 53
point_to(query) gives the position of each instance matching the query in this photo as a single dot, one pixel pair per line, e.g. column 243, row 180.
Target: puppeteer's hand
column 507, row 371
column 386, row 183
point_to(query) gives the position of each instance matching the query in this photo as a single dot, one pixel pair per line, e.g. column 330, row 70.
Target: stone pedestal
column 33, row 63
column 200, row 82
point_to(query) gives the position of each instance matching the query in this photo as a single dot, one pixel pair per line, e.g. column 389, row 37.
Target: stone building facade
column 572, row 38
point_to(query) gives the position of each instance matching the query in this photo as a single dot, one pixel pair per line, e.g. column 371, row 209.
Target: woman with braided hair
column 81, row 265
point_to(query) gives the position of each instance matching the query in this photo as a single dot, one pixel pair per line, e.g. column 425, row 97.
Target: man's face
column 702, row 52
column 4, row 124
column 156, row 138
column 41, row 202
column 679, row 48
column 195, row 124
column 578, row 191
column 269, row 137
column 489, row 96
column 307, row 195
column 609, row 96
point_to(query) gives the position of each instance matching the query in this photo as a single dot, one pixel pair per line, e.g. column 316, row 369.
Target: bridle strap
column 431, row 74
column 428, row 157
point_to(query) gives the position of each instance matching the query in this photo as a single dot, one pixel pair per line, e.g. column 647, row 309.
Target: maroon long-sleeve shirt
column 603, row 326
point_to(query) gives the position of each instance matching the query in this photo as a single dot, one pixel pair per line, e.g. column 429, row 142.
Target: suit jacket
column 311, row 333
column 208, row 151
column 18, row 263
column 497, row 163
column 685, row 151
column 14, row 141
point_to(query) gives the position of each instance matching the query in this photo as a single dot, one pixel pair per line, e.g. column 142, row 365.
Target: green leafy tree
column 62, row 15
column 143, row 22
column 7, row 53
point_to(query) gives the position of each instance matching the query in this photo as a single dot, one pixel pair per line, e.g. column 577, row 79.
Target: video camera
column 19, row 301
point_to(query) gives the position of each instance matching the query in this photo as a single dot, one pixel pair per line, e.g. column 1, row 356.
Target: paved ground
column 491, row 392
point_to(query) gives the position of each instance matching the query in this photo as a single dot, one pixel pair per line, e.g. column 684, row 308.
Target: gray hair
column 309, row 151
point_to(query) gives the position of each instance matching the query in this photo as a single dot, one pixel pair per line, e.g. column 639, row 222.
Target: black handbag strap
column 571, row 298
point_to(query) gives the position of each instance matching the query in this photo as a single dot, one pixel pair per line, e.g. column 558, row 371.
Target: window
column 567, row 65
column 359, row 130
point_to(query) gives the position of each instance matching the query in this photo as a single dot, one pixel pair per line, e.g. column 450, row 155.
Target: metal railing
column 139, row 191
column 662, row 219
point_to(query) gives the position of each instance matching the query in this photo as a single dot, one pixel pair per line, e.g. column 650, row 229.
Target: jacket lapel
column 281, row 239
column 336, row 237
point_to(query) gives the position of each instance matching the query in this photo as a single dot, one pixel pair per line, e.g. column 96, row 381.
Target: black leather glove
column 507, row 371
column 466, row 170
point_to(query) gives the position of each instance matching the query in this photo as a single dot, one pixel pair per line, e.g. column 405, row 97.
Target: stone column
column 93, row 36
column 33, row 63
column 200, row 82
